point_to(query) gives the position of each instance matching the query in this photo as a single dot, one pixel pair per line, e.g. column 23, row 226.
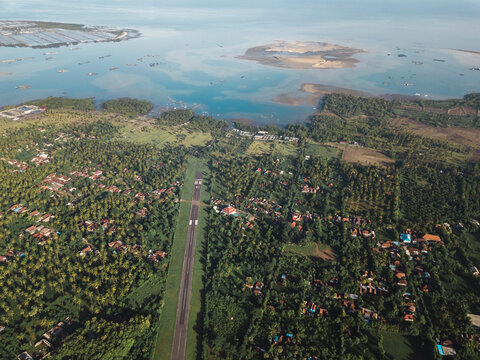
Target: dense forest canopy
column 349, row 237
column 127, row 106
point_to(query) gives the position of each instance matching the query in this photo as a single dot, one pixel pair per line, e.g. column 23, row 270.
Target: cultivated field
column 365, row 156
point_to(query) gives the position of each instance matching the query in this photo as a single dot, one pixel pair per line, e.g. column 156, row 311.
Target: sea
column 187, row 54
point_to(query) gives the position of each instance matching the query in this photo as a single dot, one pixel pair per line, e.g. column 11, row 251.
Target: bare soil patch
column 312, row 251
column 324, row 254
column 363, row 155
column 462, row 111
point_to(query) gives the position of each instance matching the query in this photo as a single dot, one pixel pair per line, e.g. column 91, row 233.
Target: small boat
column 23, row 87
column 92, row 74
column 113, row 68
column 62, row 71
column 83, row 62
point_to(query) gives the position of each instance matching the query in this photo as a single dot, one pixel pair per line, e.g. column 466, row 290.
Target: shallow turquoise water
column 196, row 45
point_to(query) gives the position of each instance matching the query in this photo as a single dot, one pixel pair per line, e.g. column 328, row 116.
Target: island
column 303, row 55
column 40, row 34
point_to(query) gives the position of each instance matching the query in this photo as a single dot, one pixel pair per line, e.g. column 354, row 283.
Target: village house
column 313, row 309
column 258, row 288
column 34, row 213
column 283, row 339
column 431, row 238
column 157, row 255
column 117, row 245
column 25, row 356
column 58, row 329
column 369, row 314
column 406, row 238
column 229, row 210
column 41, row 159
column 142, row 212
column 475, row 270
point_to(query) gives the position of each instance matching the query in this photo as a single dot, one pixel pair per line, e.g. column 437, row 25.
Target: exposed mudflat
column 40, row 34
column 303, row 55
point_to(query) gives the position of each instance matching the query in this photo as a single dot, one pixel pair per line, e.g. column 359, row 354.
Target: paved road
column 184, row 295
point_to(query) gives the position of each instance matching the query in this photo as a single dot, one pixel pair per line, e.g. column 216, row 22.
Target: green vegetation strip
column 163, row 343
column 193, row 336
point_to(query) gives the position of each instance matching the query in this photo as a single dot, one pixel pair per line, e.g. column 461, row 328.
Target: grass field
column 272, row 147
column 311, row 250
column 160, row 136
column 154, row 136
column 399, row 347
column 313, row 148
column 474, row 243
column 163, row 343
column 149, row 287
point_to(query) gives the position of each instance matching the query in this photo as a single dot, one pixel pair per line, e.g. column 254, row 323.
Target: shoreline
column 311, row 94
column 13, row 34
column 468, row 51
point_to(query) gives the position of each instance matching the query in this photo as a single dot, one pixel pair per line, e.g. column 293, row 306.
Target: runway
column 184, row 295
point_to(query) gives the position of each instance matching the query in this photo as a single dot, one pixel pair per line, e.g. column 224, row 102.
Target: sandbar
column 303, row 55
column 468, row 51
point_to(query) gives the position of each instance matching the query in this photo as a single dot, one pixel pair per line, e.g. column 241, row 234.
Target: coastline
column 468, row 51
column 44, row 35
column 311, row 94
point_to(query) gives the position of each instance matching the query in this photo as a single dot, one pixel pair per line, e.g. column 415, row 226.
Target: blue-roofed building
column 440, row 349
column 406, row 238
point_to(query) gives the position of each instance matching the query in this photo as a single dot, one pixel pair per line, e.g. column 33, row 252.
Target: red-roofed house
column 229, row 210
column 430, row 237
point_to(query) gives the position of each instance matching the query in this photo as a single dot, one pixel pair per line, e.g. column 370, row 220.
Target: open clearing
column 458, row 135
column 400, row 347
column 145, row 133
column 364, row 155
column 313, row 148
column 264, row 147
column 312, row 250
